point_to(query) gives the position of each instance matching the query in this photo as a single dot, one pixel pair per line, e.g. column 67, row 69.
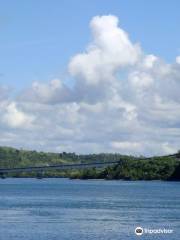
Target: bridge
column 57, row 167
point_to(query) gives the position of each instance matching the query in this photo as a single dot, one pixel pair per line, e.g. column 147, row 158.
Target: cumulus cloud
column 53, row 92
column 121, row 100
column 110, row 50
column 15, row 118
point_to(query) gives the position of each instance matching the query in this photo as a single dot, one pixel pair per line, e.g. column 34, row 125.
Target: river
column 62, row 209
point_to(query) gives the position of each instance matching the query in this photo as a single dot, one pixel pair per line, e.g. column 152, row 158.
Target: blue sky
column 39, row 37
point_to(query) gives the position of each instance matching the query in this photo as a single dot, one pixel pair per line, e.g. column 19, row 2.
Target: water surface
column 62, row 209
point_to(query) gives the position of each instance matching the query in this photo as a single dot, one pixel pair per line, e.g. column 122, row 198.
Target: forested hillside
column 160, row 168
column 128, row 168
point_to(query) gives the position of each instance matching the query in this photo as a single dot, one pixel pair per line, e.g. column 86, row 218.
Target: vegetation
column 164, row 168
column 128, row 168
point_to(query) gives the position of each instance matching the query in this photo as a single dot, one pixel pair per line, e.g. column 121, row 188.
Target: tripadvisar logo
column 139, row 231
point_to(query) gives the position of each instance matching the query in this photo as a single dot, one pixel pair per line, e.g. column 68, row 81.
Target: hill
column 128, row 168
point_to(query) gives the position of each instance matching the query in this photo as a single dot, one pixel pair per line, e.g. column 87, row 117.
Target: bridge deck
column 58, row 167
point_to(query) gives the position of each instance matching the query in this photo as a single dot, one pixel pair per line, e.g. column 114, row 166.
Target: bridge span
column 58, row 167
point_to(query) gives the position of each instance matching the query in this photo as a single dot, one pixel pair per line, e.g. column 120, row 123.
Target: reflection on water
column 62, row 209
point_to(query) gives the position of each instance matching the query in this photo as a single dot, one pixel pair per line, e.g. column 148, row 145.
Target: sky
column 90, row 76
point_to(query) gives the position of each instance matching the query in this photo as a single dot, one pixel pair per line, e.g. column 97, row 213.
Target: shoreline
column 93, row 179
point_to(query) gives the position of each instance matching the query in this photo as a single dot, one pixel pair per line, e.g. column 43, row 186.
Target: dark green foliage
column 139, row 169
column 176, row 174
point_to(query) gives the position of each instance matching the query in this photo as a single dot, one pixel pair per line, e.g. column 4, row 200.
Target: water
column 62, row 209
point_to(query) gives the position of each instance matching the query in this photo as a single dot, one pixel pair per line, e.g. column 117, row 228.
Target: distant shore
column 129, row 168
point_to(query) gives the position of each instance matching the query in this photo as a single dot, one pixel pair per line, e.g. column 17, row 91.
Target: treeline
column 165, row 168
column 128, row 168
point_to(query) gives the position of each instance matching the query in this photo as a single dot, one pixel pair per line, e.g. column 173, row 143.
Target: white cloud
column 110, row 50
column 16, row 118
column 149, row 61
column 141, row 80
column 178, row 59
column 128, row 146
column 122, row 100
column 52, row 92
column 168, row 149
